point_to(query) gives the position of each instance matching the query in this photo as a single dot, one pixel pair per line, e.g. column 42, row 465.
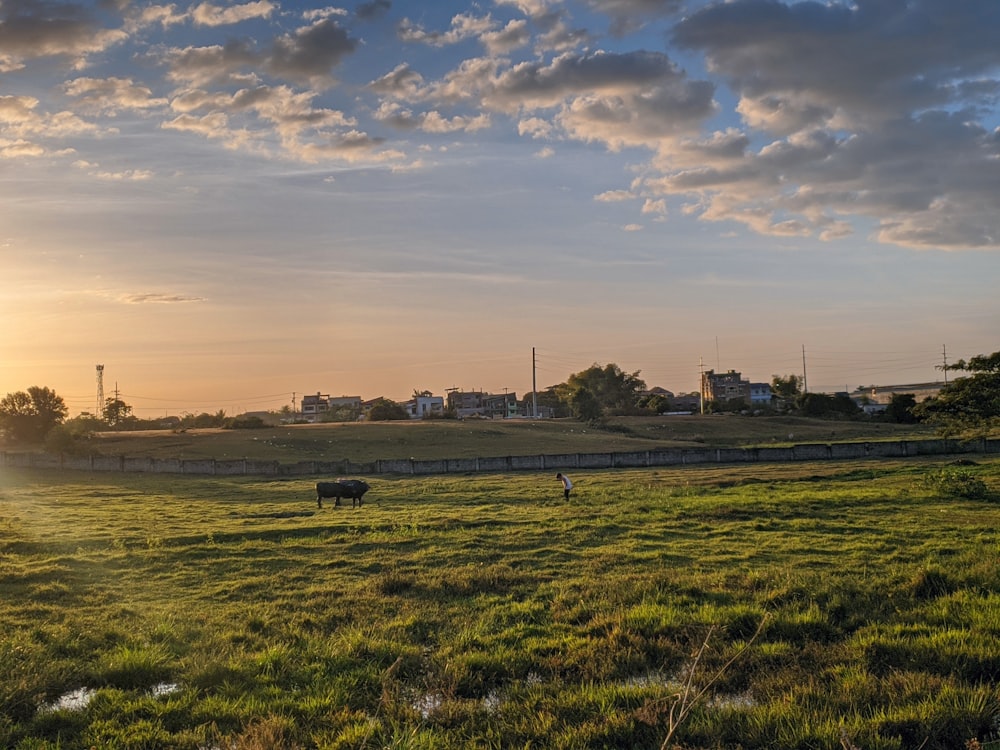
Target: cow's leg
column 319, row 501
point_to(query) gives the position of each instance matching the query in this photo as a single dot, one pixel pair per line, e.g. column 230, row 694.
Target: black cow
column 352, row 488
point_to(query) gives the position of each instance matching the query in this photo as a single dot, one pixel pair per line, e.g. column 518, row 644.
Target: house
column 315, row 407
column 760, row 395
column 482, row 404
column 500, row 405
column 421, row 407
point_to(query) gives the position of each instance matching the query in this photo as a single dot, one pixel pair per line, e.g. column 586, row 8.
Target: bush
column 959, row 484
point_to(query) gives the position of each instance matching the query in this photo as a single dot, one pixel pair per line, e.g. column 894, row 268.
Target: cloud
column 207, row 14
column 305, row 56
column 128, row 175
column 571, row 76
column 871, row 110
column 369, row 11
column 157, row 298
column 614, row 196
column 22, row 125
column 463, row 26
column 511, row 37
column 811, row 64
column 112, row 95
column 311, row 52
column 31, row 29
column 629, row 15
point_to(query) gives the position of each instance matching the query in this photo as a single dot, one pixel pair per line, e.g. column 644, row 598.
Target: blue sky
column 228, row 203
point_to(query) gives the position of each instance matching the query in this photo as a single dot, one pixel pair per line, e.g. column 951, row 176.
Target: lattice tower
column 100, row 391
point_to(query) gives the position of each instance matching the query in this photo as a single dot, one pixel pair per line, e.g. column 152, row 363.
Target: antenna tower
column 100, row 391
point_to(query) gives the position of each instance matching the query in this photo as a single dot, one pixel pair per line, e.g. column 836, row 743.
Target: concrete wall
column 501, row 464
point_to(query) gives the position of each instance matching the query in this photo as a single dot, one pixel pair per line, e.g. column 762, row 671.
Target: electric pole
column 944, row 368
column 701, row 386
column 534, row 387
column 805, row 386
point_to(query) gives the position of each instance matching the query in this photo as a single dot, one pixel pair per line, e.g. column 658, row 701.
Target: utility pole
column 293, row 403
column 805, row 385
column 534, row 387
column 944, row 368
column 701, row 386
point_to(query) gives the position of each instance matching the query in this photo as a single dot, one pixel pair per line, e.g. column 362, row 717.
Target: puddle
column 75, row 700
column 79, row 699
column 427, row 704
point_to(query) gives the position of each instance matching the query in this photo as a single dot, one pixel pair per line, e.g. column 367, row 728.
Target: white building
column 421, row 407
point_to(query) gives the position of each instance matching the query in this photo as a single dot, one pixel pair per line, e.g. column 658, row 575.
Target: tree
column 612, row 388
column 900, row 408
column 656, row 403
column 823, row 405
column 967, row 402
column 28, row 416
column 585, row 406
column 385, row 410
column 786, row 388
column 116, row 411
column 550, row 400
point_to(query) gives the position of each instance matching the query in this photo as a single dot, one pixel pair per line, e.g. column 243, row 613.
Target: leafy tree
column 967, row 402
column 28, row 416
column 614, row 389
column 900, row 408
column 385, row 410
column 203, row 420
column 116, row 411
column 549, row 399
column 656, row 403
column 823, row 405
column 585, row 405
column 788, row 387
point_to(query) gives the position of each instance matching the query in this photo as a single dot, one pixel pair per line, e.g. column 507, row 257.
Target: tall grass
column 487, row 612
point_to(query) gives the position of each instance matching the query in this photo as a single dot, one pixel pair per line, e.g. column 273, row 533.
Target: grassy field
column 467, row 439
column 823, row 606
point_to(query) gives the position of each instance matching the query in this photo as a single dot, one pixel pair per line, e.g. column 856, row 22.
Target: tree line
column 970, row 402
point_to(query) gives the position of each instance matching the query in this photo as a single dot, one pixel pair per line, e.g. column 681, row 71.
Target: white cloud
column 209, row 14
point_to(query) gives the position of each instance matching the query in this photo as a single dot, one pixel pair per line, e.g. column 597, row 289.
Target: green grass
column 439, row 439
column 484, row 611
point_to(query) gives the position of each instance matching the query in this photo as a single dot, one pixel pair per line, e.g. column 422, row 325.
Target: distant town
column 727, row 391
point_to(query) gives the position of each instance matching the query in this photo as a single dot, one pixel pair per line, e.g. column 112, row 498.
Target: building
column 882, row 394
column 421, row 407
column 314, row 408
column 724, row 387
column 760, row 395
column 482, row 404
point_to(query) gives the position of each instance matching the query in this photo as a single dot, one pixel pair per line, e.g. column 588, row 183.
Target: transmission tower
column 100, row 391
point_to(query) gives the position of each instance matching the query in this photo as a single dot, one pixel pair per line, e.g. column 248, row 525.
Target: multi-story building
column 482, row 404
column 315, row 407
column 724, row 386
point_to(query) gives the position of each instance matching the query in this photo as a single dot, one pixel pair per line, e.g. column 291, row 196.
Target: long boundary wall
column 501, row 464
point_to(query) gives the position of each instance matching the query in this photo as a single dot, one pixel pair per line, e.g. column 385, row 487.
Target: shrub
column 958, row 484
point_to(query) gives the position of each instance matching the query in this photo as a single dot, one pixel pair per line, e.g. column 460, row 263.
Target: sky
column 231, row 204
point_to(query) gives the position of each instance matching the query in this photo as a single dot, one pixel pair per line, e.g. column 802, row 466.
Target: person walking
column 566, row 483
